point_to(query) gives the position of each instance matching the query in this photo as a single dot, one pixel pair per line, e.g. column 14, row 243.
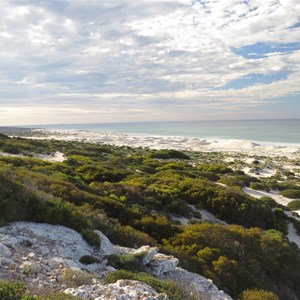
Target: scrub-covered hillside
column 192, row 205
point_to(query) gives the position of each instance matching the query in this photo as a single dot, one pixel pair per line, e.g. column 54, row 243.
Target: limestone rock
column 121, row 290
column 106, row 247
column 161, row 264
column 67, row 243
column 149, row 253
column 8, row 241
column 97, row 268
column 39, row 254
column 4, row 251
column 30, row 269
column 197, row 284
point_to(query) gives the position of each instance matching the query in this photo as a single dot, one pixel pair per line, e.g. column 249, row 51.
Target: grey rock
column 149, row 253
column 161, row 264
column 4, row 251
column 106, row 247
column 8, row 241
column 197, row 284
column 122, row 289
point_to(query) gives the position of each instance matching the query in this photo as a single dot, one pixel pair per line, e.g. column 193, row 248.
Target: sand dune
column 174, row 142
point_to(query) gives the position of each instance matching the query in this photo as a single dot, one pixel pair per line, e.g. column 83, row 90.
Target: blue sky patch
column 253, row 79
column 259, row 50
column 295, row 25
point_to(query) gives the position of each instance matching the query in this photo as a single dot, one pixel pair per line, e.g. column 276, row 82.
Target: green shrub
column 169, row 154
column 258, row 295
column 291, row 193
column 91, row 237
column 88, row 259
column 257, row 186
column 128, row 262
column 75, row 278
column 127, row 236
column 215, row 168
column 16, row 291
column 269, row 201
column 294, row 205
column 11, row 290
column 58, row 296
column 287, row 173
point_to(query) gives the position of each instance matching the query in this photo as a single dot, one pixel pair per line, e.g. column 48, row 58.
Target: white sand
column 293, row 214
column 273, row 194
column 168, row 142
column 207, row 216
column 182, row 220
column 266, row 172
column 56, row 157
column 292, row 235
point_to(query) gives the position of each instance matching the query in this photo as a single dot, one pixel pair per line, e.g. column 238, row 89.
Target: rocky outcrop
column 161, row 264
column 39, row 254
column 42, row 255
column 197, row 284
column 147, row 253
column 106, row 247
column 121, row 290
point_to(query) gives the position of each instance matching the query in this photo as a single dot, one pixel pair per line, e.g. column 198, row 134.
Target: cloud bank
column 106, row 61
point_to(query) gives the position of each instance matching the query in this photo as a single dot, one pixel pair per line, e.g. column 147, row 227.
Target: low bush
column 258, row 295
column 17, row 291
column 128, row 262
column 257, row 186
column 169, row 154
column 294, row 205
column 12, row 290
column 269, row 201
column 88, row 259
column 76, row 278
column 291, row 193
column 91, row 237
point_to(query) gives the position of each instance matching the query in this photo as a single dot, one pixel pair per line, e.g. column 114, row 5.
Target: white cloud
column 139, row 56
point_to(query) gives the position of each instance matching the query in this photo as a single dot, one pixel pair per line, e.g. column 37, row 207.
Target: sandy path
column 274, row 195
column 292, row 235
column 56, row 157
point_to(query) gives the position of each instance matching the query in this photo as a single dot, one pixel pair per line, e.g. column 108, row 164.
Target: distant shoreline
column 266, row 132
column 169, row 142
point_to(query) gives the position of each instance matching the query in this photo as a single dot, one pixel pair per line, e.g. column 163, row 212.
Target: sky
column 93, row 61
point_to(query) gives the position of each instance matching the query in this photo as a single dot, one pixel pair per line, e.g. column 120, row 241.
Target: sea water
column 267, row 131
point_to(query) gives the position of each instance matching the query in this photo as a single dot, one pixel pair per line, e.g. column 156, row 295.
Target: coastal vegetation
column 17, row 291
column 136, row 196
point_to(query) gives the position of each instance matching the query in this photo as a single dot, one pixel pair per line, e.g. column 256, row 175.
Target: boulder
column 30, row 268
column 198, row 285
column 106, row 247
column 4, row 251
column 161, row 264
column 97, row 268
column 65, row 242
column 147, row 253
column 121, row 290
column 9, row 241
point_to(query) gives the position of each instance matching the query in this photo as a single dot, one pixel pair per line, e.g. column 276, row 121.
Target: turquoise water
column 270, row 131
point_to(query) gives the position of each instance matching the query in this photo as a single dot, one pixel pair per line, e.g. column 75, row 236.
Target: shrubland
column 131, row 195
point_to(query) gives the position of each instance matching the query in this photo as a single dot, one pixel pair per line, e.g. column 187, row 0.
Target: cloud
column 140, row 57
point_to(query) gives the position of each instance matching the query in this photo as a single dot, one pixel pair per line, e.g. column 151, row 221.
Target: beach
column 172, row 142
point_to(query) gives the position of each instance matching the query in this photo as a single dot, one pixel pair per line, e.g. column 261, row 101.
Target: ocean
column 285, row 132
